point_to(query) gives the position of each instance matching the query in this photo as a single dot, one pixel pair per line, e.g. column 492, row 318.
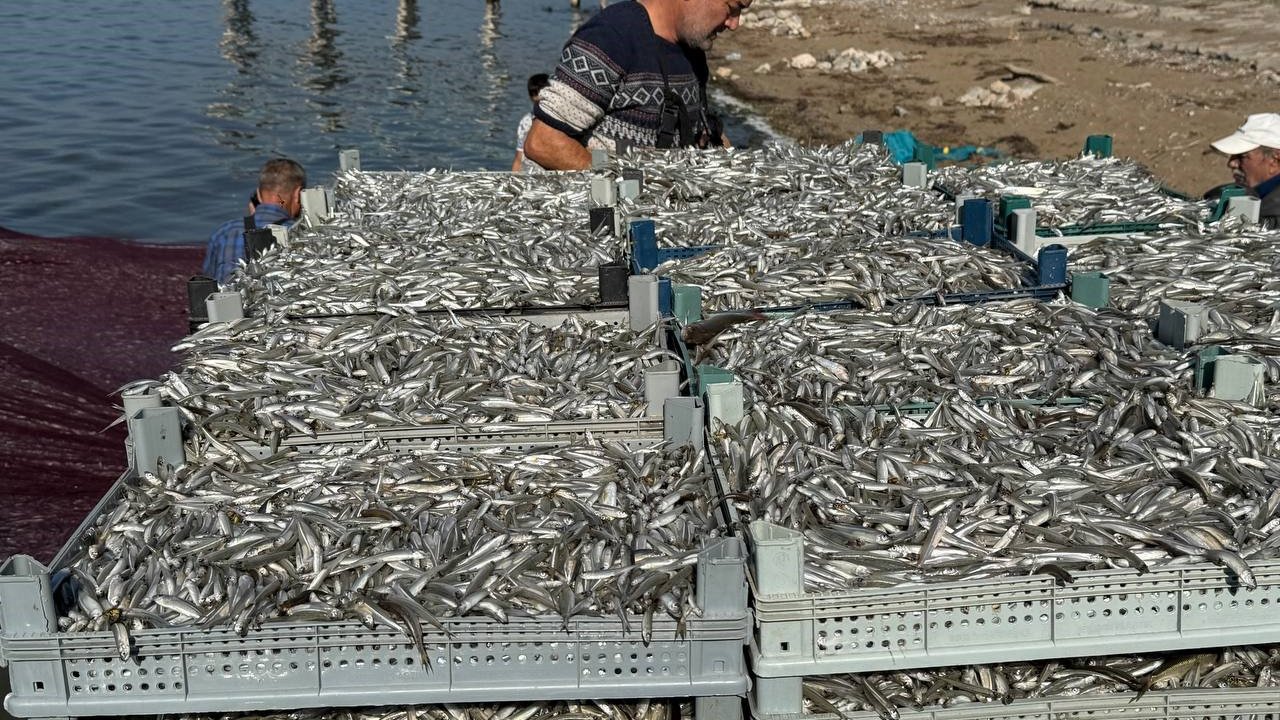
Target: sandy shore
column 1032, row 79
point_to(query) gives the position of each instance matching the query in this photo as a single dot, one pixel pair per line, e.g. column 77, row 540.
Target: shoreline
column 1032, row 79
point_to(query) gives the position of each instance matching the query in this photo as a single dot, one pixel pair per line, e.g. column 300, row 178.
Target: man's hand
column 555, row 150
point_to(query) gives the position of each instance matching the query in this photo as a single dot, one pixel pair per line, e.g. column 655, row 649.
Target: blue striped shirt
column 226, row 244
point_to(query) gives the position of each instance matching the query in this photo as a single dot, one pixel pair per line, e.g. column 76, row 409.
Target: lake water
column 149, row 120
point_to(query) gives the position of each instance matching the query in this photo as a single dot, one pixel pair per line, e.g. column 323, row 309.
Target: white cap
column 1259, row 130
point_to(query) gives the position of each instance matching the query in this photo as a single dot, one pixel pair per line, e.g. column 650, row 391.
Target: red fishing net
column 79, row 317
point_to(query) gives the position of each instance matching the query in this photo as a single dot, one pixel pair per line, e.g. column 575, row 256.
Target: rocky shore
column 1031, row 78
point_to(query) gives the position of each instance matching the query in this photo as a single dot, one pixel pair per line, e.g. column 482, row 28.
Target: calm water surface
column 150, row 119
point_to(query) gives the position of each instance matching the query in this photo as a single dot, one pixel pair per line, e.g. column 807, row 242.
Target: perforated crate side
column 997, row 620
column 635, row 433
column 1207, row 704
column 346, row 664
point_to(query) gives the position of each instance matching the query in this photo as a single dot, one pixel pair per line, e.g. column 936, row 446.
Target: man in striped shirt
column 635, row 75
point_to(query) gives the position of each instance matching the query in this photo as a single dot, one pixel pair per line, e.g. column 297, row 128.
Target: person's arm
column 590, row 72
column 522, row 132
column 555, row 150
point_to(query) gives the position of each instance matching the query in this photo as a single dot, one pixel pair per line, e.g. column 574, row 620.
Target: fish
column 706, row 329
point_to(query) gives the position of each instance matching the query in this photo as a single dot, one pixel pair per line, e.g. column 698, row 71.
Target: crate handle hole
column 786, row 646
column 38, row 686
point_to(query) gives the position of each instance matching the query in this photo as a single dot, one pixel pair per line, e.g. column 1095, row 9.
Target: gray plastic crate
column 1232, row 704
column 346, row 664
column 997, row 620
column 635, row 433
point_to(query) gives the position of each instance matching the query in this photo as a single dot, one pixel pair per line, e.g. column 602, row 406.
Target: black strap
column 249, row 223
column 675, row 126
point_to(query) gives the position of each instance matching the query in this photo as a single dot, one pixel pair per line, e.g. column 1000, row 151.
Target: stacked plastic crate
column 269, row 393
column 410, row 257
column 810, row 638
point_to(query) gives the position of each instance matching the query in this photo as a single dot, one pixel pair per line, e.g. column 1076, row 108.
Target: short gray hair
column 282, row 175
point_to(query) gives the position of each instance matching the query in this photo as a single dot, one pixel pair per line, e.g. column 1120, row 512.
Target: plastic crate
column 636, row 433
column 346, row 664
column 645, row 253
column 553, row 316
column 1230, row 704
column 997, row 620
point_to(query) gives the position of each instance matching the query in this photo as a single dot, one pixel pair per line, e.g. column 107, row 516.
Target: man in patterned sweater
column 635, row 75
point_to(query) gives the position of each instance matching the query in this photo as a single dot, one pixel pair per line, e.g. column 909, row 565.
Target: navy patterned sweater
column 607, row 91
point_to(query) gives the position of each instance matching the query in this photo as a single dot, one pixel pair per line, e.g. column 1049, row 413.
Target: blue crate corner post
column 977, row 220
column 643, row 233
column 1051, row 265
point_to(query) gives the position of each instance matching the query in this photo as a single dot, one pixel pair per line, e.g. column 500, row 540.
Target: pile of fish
column 927, row 444
column 327, row 274
column 426, row 240
column 1232, row 270
column 438, row 240
column 910, row 443
column 587, row 710
column 1084, row 191
column 921, row 353
column 448, row 203
column 262, row 381
column 401, row 541
column 973, row 491
column 887, row 693
column 870, row 272
column 779, row 194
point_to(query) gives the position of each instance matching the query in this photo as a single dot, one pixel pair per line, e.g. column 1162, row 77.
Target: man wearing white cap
column 1253, row 154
